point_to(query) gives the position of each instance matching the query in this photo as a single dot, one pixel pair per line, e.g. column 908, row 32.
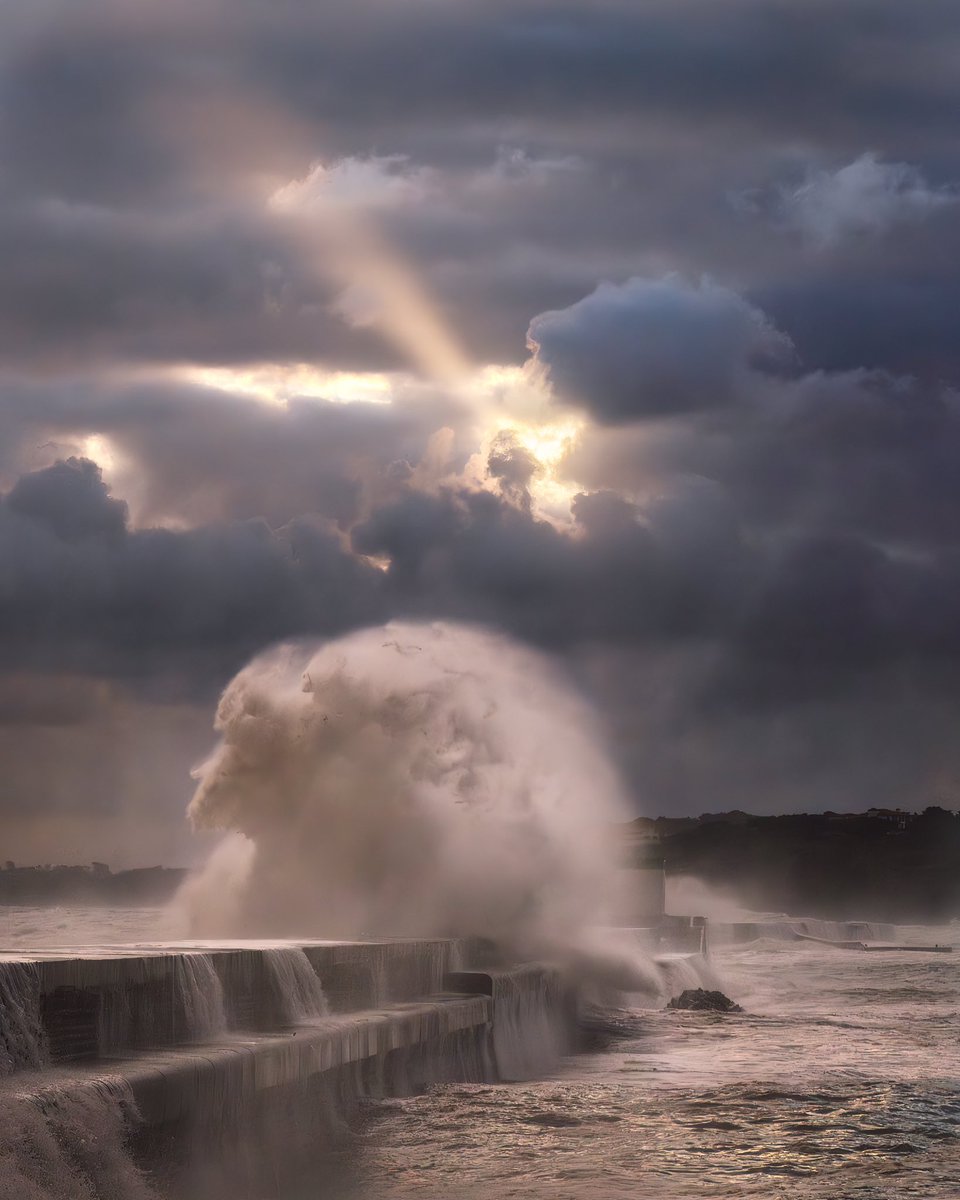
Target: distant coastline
column 94, row 884
column 882, row 865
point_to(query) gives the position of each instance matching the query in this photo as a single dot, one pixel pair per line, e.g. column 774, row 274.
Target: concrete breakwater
column 781, row 928
column 222, row 1066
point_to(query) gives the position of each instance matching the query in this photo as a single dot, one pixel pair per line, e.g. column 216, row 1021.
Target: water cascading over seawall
column 532, row 1016
column 222, row 1067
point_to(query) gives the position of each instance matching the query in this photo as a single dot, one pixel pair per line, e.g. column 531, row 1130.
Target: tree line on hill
column 93, row 884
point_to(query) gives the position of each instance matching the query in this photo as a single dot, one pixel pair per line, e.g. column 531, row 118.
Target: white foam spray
column 412, row 779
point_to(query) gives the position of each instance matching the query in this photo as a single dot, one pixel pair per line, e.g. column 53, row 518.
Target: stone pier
column 207, row 1045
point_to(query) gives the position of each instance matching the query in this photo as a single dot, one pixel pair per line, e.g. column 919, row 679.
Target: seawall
column 208, row 1051
column 794, row 929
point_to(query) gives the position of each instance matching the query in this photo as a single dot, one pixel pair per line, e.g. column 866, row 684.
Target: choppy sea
column 841, row 1079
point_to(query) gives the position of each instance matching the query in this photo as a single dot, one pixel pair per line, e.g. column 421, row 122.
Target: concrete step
column 83, row 1005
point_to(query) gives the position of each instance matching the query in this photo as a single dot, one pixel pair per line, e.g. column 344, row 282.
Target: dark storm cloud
column 491, row 58
column 681, row 568
column 82, row 593
column 98, row 285
column 792, row 672
column 864, row 454
column 784, row 633
column 654, row 348
column 197, row 454
column 163, row 127
column 801, row 540
column 479, row 558
column 84, row 87
column 690, row 378
column 905, row 323
column 70, row 500
column 760, row 580
column 698, row 730
column 568, row 60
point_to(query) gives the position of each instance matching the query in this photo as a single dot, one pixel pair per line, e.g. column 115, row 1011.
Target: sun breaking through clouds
column 629, row 330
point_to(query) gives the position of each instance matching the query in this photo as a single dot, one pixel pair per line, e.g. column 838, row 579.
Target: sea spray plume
column 411, row 779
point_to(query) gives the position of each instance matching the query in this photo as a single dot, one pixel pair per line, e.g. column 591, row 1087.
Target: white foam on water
column 64, row 1144
column 678, row 972
column 21, row 1033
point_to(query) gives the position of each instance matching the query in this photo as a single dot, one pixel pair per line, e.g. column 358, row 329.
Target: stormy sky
column 627, row 326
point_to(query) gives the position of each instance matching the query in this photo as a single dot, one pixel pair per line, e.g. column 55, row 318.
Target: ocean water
column 842, row 1079
column 54, row 927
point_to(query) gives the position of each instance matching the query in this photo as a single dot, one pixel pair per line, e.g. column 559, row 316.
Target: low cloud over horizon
column 627, row 329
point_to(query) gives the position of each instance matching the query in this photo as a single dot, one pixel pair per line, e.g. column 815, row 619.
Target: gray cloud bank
column 728, row 234
column 138, row 142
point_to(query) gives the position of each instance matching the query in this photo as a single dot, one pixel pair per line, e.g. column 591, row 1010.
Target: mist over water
column 411, row 779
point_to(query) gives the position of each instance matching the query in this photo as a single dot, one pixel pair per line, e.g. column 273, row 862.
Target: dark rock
column 700, row 1000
